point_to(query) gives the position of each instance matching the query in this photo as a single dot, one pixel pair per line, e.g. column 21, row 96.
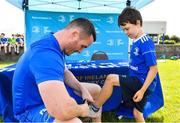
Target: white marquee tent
column 92, row 6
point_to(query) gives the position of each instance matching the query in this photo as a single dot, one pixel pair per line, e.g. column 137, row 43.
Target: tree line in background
column 169, row 39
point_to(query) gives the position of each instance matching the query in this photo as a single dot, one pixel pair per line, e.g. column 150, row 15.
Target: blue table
column 95, row 72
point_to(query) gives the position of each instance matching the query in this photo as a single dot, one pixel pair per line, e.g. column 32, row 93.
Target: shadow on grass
column 109, row 117
column 1, row 119
column 112, row 117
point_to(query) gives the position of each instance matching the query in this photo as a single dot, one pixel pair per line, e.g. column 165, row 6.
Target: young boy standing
column 143, row 68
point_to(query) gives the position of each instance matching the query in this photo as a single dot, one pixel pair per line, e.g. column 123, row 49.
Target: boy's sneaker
column 93, row 111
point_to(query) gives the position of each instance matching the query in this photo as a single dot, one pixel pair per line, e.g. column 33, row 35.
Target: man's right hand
column 85, row 110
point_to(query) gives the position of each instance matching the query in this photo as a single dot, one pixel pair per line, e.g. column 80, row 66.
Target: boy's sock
column 93, row 110
column 94, row 107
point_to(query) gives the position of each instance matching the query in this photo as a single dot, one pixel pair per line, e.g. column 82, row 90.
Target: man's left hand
column 86, row 95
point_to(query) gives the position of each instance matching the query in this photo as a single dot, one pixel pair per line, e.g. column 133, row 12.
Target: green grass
column 4, row 64
column 170, row 74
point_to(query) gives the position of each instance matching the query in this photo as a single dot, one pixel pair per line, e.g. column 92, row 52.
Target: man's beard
column 66, row 54
column 69, row 53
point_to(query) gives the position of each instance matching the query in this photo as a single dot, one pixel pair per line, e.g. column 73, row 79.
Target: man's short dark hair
column 86, row 26
column 2, row 34
column 129, row 15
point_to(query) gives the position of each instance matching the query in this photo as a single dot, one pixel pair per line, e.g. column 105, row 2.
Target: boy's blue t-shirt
column 18, row 40
column 142, row 56
column 43, row 61
column 4, row 40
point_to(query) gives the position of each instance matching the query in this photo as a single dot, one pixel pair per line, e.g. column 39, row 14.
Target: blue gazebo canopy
column 91, row 6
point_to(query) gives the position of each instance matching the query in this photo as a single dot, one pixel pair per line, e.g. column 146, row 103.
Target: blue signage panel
column 110, row 38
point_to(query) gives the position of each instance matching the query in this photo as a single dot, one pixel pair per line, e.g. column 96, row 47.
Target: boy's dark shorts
column 130, row 85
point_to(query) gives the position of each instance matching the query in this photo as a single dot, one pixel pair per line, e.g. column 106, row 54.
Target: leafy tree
column 175, row 38
column 166, row 37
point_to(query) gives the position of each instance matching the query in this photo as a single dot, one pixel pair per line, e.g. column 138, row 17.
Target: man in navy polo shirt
column 43, row 88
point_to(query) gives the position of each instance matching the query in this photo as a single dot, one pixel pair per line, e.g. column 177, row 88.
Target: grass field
column 4, row 64
column 170, row 74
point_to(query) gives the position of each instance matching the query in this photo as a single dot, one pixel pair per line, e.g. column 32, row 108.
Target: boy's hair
column 84, row 24
column 129, row 15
